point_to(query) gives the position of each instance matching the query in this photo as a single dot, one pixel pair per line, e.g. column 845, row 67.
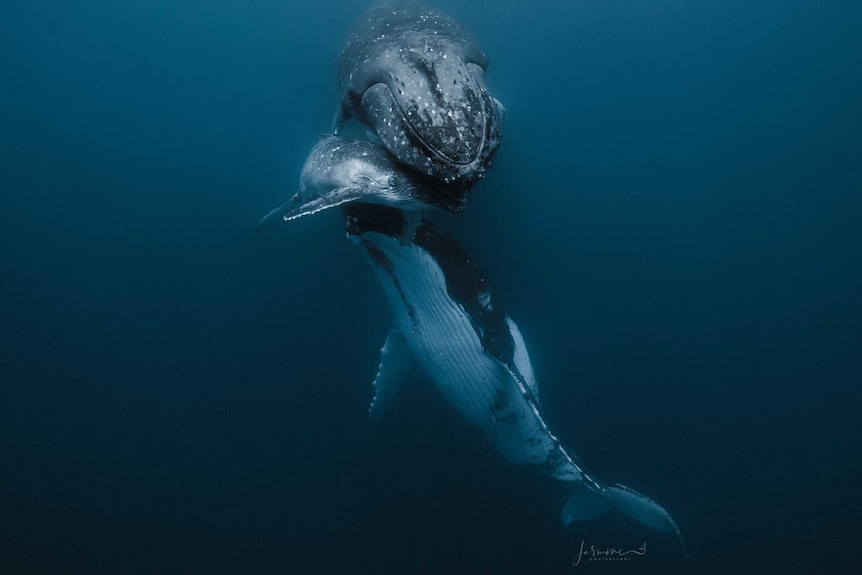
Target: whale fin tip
column 395, row 362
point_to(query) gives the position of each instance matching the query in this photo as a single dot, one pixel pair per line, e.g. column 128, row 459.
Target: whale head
column 417, row 80
column 339, row 171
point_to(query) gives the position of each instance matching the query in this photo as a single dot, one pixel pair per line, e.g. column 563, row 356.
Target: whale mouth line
column 437, row 153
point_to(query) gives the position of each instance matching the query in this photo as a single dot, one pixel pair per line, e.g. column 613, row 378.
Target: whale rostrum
column 417, row 80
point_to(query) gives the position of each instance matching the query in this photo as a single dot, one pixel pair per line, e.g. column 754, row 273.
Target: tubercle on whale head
column 453, row 140
column 417, row 80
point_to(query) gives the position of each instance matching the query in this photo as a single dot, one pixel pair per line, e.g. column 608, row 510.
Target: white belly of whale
column 439, row 334
column 442, row 339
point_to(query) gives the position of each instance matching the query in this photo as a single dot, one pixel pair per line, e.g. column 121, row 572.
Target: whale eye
column 394, row 181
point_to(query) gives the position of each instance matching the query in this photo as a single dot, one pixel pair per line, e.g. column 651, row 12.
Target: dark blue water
column 673, row 220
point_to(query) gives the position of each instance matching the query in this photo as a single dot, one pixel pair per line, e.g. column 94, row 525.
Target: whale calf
column 339, row 171
column 417, row 80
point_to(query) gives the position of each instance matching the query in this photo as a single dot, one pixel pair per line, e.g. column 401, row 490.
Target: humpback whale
column 338, row 171
column 447, row 322
column 417, row 80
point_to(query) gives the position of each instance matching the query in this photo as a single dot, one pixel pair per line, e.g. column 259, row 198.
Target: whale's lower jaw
column 443, row 340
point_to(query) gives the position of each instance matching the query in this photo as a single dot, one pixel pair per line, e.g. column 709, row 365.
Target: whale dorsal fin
column 395, row 362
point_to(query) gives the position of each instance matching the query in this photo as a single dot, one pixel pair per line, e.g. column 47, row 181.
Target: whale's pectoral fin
column 395, row 362
column 298, row 207
column 588, row 502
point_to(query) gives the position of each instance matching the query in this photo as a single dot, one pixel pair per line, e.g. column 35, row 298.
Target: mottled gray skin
column 338, row 171
column 416, row 78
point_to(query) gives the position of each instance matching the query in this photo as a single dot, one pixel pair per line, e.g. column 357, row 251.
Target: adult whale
column 417, row 80
column 447, row 322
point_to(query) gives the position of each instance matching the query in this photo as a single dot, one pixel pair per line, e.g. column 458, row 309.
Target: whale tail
column 590, row 501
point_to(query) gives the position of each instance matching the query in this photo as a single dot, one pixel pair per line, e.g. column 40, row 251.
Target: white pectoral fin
column 395, row 362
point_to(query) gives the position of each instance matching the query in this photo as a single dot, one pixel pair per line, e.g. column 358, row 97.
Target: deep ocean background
column 673, row 220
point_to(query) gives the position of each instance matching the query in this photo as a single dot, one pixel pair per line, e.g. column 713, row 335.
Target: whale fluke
column 588, row 502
